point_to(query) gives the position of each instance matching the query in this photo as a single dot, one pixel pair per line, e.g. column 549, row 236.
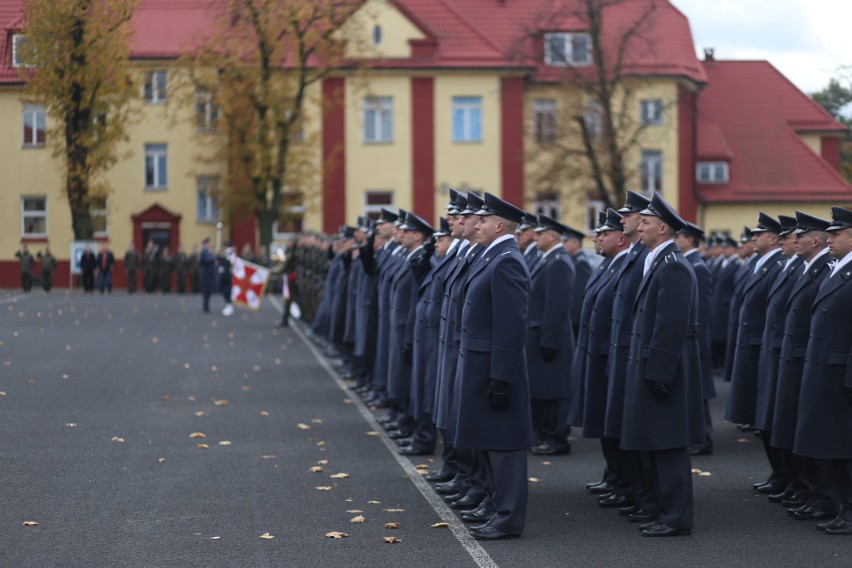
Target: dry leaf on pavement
column 358, row 519
column 202, row 446
column 392, row 539
column 534, row 480
column 705, row 474
column 220, row 402
column 322, row 462
column 266, row 536
column 198, row 435
column 199, row 413
column 214, row 538
column 323, row 488
column 224, row 442
column 30, row 523
column 336, row 535
column 440, row 525
column 71, row 424
column 353, row 511
column 302, row 426
column 315, row 469
column 339, row 476
column 391, row 525
column 393, row 510
column 117, row 439
column 264, row 413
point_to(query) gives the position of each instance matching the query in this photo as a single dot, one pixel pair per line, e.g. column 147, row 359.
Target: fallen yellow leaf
column 161, row 460
column 214, row 538
column 220, row 402
column 545, row 463
column 391, row 525
column 534, row 480
column 264, row 413
column 392, row 539
column 339, row 476
column 374, row 502
column 696, row 470
column 117, row 439
column 302, row 426
column 202, row 446
column 422, row 466
column 267, row 457
column 2, row 393
column 165, row 398
column 198, row 435
column 315, row 469
column 186, row 365
column 336, row 535
column 393, row 510
column 358, row 519
column 372, row 433
column 199, row 413
column 322, row 462
column 71, row 424
column 266, row 536
column 705, row 474
column 320, row 443
column 440, row 525
column 224, row 442
column 316, row 421
column 323, row 488
column 347, row 401
column 30, row 523
column 353, row 511
column 743, row 440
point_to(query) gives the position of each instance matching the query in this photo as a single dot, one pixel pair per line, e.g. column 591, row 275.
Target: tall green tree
column 76, row 56
column 259, row 70
column 836, row 98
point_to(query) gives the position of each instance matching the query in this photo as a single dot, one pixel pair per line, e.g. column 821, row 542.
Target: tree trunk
column 265, row 221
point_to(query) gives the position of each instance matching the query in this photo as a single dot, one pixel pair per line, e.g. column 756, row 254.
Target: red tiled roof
column 752, row 115
column 468, row 34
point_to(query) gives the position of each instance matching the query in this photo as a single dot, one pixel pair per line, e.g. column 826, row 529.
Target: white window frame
column 594, row 120
column 207, row 112
column 712, row 172
column 209, row 187
column 17, row 39
column 153, row 153
column 470, row 108
column 33, row 214
column 294, row 209
column 548, row 203
column 158, row 92
column 565, row 56
column 594, row 207
column 34, row 111
column 545, row 121
column 374, row 210
column 378, row 114
column 650, row 159
column 651, row 112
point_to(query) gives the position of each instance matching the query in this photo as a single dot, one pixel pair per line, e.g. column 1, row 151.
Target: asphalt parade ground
column 136, row 430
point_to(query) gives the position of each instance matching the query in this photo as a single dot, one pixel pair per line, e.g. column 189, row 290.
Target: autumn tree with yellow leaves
column 75, row 63
column 257, row 78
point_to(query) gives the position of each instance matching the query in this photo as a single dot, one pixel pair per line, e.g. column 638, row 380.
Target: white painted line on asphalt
column 459, row 530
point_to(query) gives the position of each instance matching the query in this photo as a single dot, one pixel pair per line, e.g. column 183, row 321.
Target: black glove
column 660, row 390
column 498, row 395
column 371, row 239
column 407, row 354
column 848, row 392
column 428, row 249
column 547, row 353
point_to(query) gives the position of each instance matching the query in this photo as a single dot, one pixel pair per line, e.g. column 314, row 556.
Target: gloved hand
column 660, row 390
column 428, row 249
column 547, row 353
column 407, row 354
column 498, row 395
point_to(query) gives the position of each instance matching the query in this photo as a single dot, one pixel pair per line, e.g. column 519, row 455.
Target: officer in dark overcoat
column 550, row 338
column 688, row 238
column 573, row 244
column 526, row 237
column 207, row 263
column 824, row 427
column 663, row 406
column 322, row 318
column 491, row 410
column 812, row 248
column 723, row 290
column 748, row 256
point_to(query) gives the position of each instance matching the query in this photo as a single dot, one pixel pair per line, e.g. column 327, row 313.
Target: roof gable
column 396, row 31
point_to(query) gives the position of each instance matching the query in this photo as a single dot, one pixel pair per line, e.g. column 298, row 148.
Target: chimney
column 709, row 54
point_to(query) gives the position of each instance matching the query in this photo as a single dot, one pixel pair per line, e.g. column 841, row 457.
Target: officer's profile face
column 487, row 229
column 546, row 239
column 609, row 242
column 442, row 245
column 840, row 243
column 683, row 242
column 788, row 245
column 597, row 241
column 651, row 231
column 765, row 241
column 469, row 231
column 457, row 227
column 630, row 222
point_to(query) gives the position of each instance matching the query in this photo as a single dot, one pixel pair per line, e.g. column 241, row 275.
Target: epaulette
column 671, row 257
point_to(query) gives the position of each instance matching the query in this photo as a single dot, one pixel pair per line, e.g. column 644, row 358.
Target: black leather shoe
column 842, row 527
column 490, row 533
column 392, row 425
column 795, row 502
column 705, row 451
column 453, row 497
column 478, row 515
column 439, row 476
column 591, row 484
column 415, row 451
column 780, row 497
column 601, row 496
column 759, row 483
column 397, row 434
column 795, row 510
column 829, row 524
column 601, row 488
column 615, row 501
column 812, row 514
column 769, row 489
column 659, row 529
column 641, row 516
column 385, row 419
column 447, row 488
column 624, row 511
column 546, row 449
column 380, row 402
column 466, row 502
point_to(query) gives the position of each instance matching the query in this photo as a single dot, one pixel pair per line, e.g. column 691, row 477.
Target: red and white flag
column 248, row 283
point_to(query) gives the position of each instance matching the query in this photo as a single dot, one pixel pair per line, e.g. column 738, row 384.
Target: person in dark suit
column 596, row 324
column 27, row 264
column 207, row 264
column 48, row 266
column 131, row 267
column 550, row 339
column 742, row 403
column 723, row 290
column 106, row 261
column 824, row 426
column 573, row 245
column 688, row 239
column 747, row 255
column 526, row 237
column 491, row 398
column 770, row 351
column 88, row 265
column 812, row 248
column 663, row 410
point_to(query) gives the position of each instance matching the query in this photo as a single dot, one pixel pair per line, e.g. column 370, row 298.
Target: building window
column 568, row 49
column 207, row 113
column 34, row 216
column 378, row 119
column 18, row 42
column 154, row 91
column 207, row 191
column 375, row 200
column 467, row 119
column 544, row 121
column 651, row 112
column 651, row 172
column 712, row 172
column 34, row 125
column 291, row 214
column 377, row 34
column 594, row 208
column 594, row 121
column 547, row 203
column 98, row 211
column 156, row 166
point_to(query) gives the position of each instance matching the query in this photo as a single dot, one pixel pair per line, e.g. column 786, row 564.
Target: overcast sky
column 807, row 40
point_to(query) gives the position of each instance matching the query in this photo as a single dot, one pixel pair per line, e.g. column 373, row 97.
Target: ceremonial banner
column 248, row 283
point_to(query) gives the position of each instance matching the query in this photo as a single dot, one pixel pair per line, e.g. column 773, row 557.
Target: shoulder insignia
column 671, row 257
column 505, row 253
